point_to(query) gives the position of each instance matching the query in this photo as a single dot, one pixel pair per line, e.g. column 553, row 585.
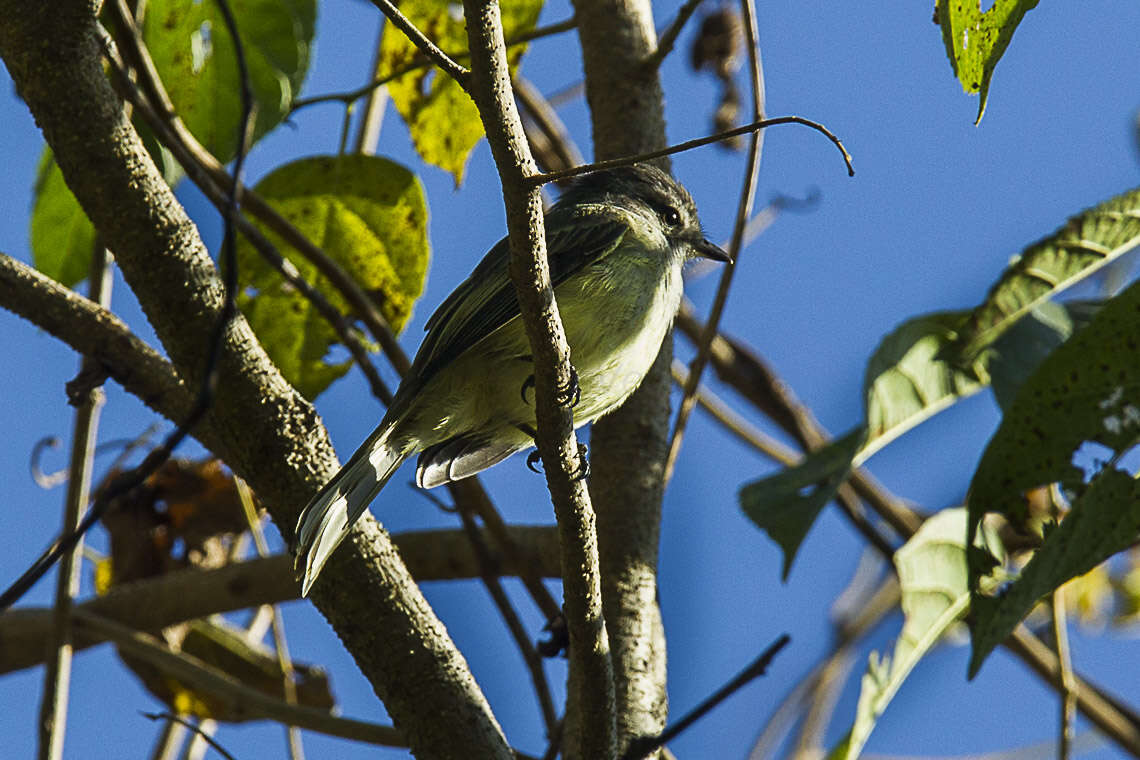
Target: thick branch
column 591, row 675
column 263, row 429
column 630, row 444
column 176, row 597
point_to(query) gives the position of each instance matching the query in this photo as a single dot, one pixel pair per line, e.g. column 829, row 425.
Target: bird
column 617, row 240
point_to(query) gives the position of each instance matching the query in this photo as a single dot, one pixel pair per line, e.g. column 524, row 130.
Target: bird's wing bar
column 486, row 300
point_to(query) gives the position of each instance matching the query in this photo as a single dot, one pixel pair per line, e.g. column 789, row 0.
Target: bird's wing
column 485, row 301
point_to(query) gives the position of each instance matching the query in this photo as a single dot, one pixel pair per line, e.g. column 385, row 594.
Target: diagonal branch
column 591, row 677
column 461, row 75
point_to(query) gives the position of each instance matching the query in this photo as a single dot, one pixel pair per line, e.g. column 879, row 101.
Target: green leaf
column 367, row 213
column 907, row 382
column 62, row 237
column 1086, row 243
column 442, row 119
column 1104, row 520
column 1086, row 390
column 975, row 41
column 935, row 594
column 1018, row 352
column 194, row 55
column 786, row 504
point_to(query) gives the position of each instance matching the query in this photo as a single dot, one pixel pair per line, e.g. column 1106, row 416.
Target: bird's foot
column 568, row 395
column 571, row 393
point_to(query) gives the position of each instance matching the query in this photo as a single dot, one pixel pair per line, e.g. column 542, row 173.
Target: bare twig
column 542, row 179
column 368, row 135
column 461, row 75
column 241, row 699
column 1066, row 682
column 743, row 213
column 490, row 576
column 669, row 36
column 591, row 668
column 280, row 646
column 640, row 748
column 563, row 153
column 57, row 675
column 353, row 95
column 735, row 424
column 172, row 718
column 1118, row 721
column 750, row 376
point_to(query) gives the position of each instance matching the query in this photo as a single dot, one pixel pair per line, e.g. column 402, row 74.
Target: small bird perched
column 616, row 241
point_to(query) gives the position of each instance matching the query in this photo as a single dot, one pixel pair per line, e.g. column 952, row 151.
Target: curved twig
column 542, row 179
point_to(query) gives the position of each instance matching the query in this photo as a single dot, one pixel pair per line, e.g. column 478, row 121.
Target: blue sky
column 932, row 216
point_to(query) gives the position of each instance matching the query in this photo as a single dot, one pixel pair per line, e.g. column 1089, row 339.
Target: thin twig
column 642, row 747
column 562, row 152
column 728, row 417
column 1066, row 682
column 461, row 75
column 469, row 494
column 489, row 574
column 375, row 106
column 669, row 36
column 172, row 718
column 750, row 376
column 57, row 675
column 1117, row 720
column 743, row 212
column 280, row 646
column 542, row 179
column 194, row 673
column 359, row 92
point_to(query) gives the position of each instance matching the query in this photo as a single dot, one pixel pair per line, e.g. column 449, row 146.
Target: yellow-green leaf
column 61, row 235
column 975, row 41
column 442, row 119
column 367, row 213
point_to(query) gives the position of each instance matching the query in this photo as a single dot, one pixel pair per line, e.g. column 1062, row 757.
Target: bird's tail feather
column 330, row 515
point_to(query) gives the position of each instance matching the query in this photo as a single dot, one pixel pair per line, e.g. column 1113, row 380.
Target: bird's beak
column 711, row 251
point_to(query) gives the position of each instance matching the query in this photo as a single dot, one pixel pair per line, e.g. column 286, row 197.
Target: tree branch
column 96, row 333
column 461, row 75
column 264, row 430
column 591, row 674
column 239, row 698
column 629, row 445
column 188, row 594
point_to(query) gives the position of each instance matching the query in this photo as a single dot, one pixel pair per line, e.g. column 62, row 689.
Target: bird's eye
column 671, row 216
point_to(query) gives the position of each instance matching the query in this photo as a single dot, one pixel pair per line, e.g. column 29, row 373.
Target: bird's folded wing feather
column 485, row 301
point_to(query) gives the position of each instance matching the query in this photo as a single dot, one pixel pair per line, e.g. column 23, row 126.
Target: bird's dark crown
column 639, row 183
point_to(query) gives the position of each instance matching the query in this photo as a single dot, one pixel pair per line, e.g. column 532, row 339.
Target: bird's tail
column 329, row 516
